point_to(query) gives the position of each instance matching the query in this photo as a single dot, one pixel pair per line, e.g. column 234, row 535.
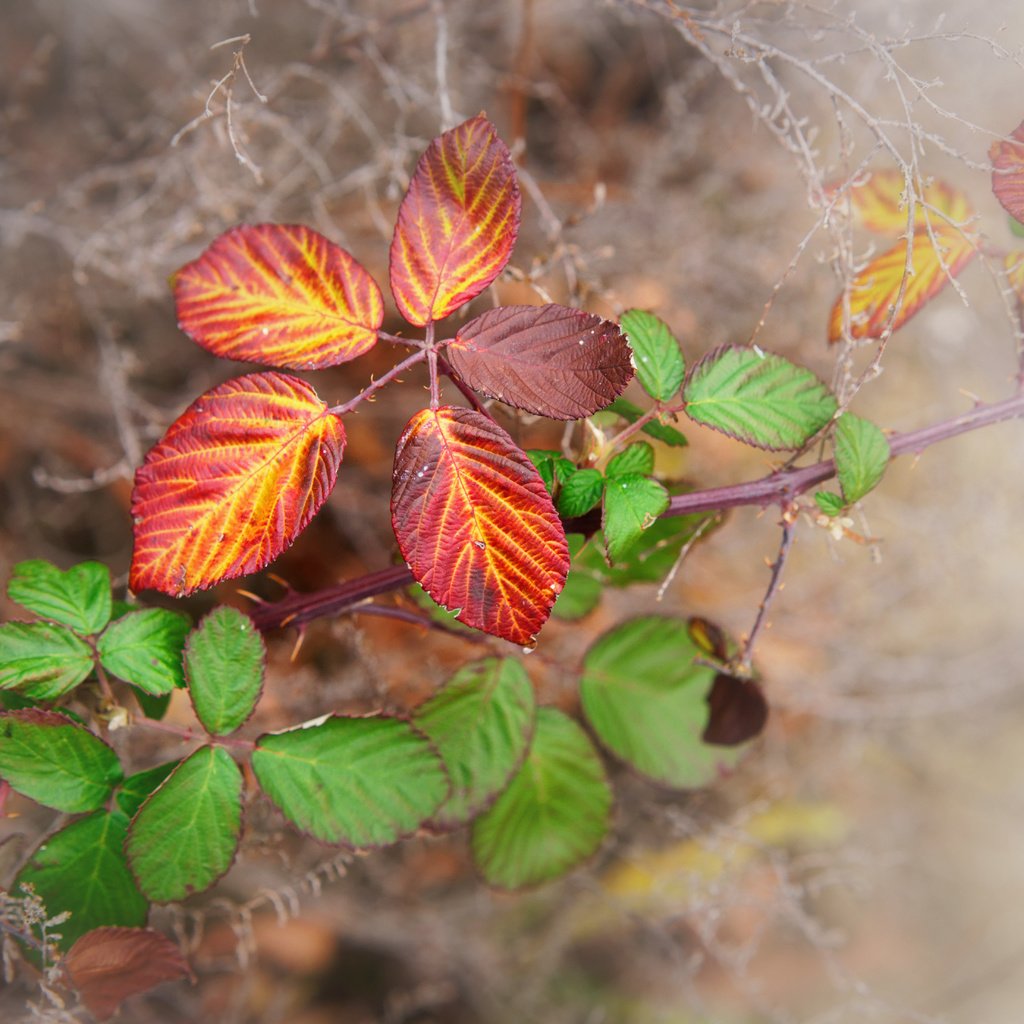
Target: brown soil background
column 866, row 861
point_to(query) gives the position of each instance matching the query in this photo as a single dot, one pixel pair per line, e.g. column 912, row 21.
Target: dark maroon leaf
column 738, row 711
column 550, row 360
column 107, row 965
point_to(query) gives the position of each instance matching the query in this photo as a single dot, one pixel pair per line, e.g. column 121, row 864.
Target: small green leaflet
column 56, row 762
column 656, row 429
column 554, row 813
column 659, row 363
column 82, row 869
column 580, row 493
column 361, row 782
column 79, row 598
column 862, row 453
column 185, row 834
column 829, row 503
column 647, row 701
column 144, row 649
column 632, row 504
column 224, row 661
column 554, row 468
column 760, row 399
column 481, row 721
column 637, row 458
column 43, row 659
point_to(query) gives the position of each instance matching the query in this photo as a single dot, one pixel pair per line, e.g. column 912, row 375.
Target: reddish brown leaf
column 1008, row 172
column 874, row 291
column 737, row 711
column 279, row 294
column 107, row 965
column 457, row 224
column 550, row 360
column 475, row 523
column 236, row 478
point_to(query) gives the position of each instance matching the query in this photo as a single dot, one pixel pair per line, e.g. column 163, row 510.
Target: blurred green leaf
column 554, row 813
column 662, row 431
column 481, row 722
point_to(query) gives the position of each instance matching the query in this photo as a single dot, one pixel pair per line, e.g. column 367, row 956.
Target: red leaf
column 873, row 292
column 279, row 294
column 107, row 965
column 457, row 224
column 550, row 360
column 1008, row 172
column 737, row 711
column 236, row 478
column 475, row 523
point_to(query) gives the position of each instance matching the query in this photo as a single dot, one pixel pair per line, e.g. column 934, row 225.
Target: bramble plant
column 498, row 538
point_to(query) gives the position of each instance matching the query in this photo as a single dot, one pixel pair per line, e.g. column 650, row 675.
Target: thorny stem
column 780, row 487
column 395, row 371
column 432, row 355
column 773, row 588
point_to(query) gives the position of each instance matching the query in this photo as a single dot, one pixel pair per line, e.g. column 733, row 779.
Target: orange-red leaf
column 107, row 965
column 874, row 291
column 1008, row 172
column 550, row 360
column 457, row 223
column 233, row 482
column 279, row 294
column 475, row 523
column 880, row 203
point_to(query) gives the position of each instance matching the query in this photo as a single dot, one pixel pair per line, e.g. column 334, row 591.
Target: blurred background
column 865, row 862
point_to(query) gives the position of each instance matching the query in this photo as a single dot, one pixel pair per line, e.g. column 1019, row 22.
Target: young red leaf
column 457, row 224
column 279, row 294
column 475, row 523
column 236, row 478
column 874, row 291
column 107, row 965
column 549, row 360
column 1008, row 172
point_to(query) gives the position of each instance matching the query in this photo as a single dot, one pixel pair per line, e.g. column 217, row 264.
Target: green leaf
column 580, row 493
column 631, row 413
column 357, row 781
column 554, row 467
column 829, row 503
column 43, row 659
column 554, row 813
column 79, row 598
column 132, row 793
column 862, row 453
column 637, row 458
column 1016, row 228
column 154, row 707
column 659, row 363
column 55, row 762
column 82, row 869
column 185, row 834
column 224, row 661
column 647, row 701
column 651, row 558
column 144, row 649
column 760, row 399
column 580, row 595
column 481, row 722
column 632, row 504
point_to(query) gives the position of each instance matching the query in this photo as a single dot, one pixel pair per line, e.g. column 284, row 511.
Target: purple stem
column 780, row 487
